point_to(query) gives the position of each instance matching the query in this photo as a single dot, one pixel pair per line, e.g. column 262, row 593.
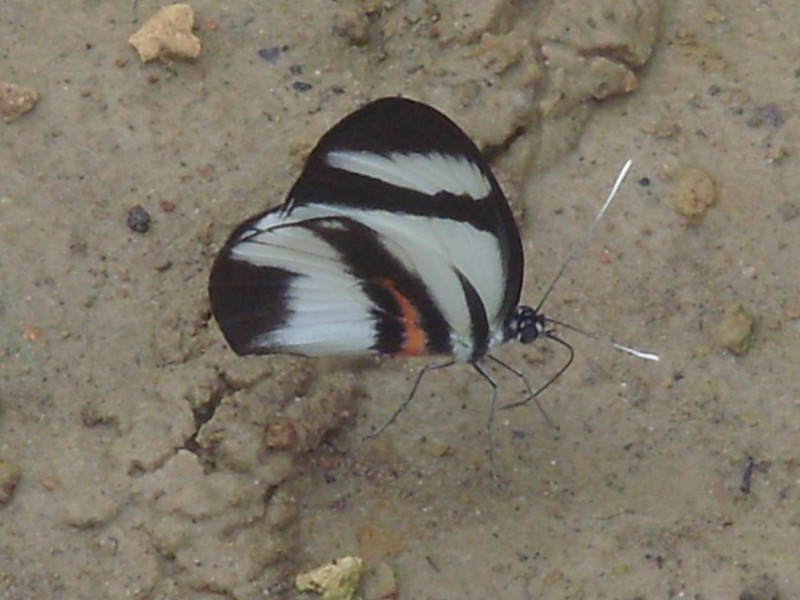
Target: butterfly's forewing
column 396, row 238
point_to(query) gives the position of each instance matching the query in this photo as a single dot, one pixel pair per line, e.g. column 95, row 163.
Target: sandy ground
column 153, row 463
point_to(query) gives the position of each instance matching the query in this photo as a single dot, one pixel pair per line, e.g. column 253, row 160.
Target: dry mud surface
column 140, row 458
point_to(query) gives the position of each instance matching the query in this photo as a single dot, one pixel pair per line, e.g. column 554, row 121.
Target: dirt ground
column 140, row 458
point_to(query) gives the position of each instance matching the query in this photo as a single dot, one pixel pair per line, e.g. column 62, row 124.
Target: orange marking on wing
column 415, row 342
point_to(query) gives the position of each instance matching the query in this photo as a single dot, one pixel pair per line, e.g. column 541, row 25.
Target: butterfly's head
column 526, row 324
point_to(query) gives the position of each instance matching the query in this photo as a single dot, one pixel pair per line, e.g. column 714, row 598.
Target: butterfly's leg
column 490, row 422
column 375, row 433
column 531, row 394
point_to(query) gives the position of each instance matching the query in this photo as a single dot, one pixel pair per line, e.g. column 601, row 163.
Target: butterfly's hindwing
column 318, row 286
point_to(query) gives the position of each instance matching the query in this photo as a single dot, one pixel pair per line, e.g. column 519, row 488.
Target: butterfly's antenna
column 407, row 401
column 582, row 243
column 622, row 348
column 550, row 334
column 578, row 248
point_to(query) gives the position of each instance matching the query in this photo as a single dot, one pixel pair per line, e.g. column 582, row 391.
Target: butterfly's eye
column 526, row 324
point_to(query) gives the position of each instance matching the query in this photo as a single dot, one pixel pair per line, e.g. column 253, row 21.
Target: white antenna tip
column 637, row 353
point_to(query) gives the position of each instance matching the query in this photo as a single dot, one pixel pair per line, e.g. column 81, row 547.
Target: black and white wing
column 396, row 239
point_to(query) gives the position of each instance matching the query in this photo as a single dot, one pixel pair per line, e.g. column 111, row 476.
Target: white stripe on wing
column 426, row 173
column 328, row 313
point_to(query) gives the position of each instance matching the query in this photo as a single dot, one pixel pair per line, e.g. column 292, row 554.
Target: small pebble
column 735, row 330
column 9, row 477
column 776, row 153
column 49, row 482
column 16, row 100
column 353, row 26
column 167, row 34
column 138, row 219
column 792, row 313
column 280, row 435
column 32, row 333
column 338, row 580
column 270, row 54
column 692, row 194
column 662, row 129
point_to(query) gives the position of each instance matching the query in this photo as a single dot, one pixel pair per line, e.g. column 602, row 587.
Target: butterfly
column 396, row 239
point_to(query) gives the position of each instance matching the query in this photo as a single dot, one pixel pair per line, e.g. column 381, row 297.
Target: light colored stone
column 16, row 100
column 336, row 581
column 167, row 34
column 692, row 194
column 735, row 330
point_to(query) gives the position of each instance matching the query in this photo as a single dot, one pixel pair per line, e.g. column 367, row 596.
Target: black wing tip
column 396, row 124
column 247, row 301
